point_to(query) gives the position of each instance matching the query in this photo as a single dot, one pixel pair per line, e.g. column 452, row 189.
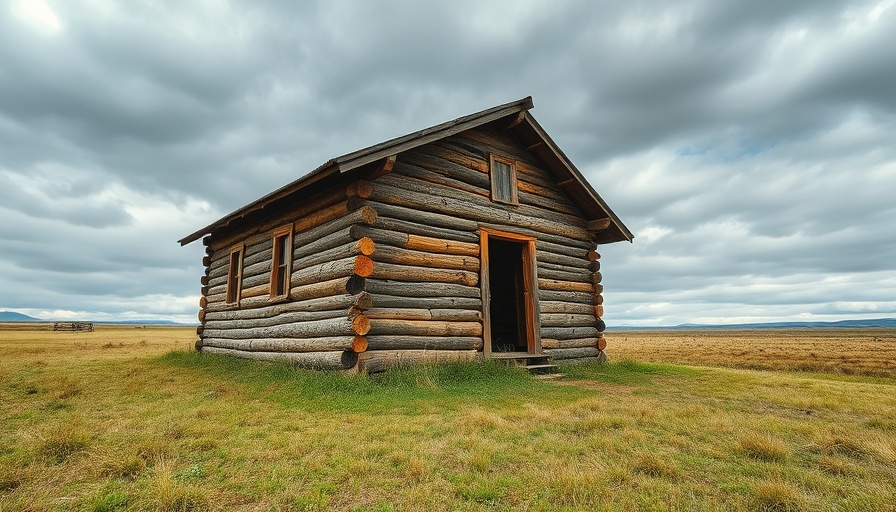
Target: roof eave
column 556, row 153
column 367, row 155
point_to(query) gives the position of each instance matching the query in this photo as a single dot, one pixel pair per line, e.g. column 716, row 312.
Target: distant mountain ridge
column 11, row 316
column 877, row 322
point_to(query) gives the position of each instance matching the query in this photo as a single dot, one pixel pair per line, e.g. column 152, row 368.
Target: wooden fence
column 72, row 326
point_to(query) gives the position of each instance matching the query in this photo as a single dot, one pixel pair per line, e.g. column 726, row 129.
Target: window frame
column 234, row 290
column 514, row 187
column 286, row 234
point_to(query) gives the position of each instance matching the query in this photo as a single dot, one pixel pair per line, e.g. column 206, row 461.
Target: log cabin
column 475, row 238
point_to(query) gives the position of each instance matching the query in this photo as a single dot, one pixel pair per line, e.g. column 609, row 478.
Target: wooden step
column 536, row 364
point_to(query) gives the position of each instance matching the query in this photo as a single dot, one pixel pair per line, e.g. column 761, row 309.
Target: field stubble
column 870, row 352
column 114, row 420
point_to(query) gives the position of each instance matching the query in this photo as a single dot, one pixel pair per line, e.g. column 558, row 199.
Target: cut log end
column 601, row 343
column 363, row 266
column 366, row 246
column 355, row 285
column 359, row 344
column 363, row 301
column 599, row 311
column 198, row 345
column 361, row 325
column 593, row 255
column 201, row 316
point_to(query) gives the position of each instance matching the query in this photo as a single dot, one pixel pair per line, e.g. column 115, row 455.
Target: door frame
column 530, row 286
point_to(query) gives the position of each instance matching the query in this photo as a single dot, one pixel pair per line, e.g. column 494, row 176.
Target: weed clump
column 61, row 442
column 763, row 448
column 778, row 497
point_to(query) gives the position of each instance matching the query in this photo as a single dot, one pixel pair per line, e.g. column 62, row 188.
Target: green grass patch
column 180, row 431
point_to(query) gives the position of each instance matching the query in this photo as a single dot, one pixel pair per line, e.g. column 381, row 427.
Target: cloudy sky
column 750, row 146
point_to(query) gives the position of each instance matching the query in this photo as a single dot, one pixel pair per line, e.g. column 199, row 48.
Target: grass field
column 127, row 418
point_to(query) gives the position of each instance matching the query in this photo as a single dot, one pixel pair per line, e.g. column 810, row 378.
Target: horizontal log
column 479, row 207
column 573, row 343
column 321, row 216
column 552, row 306
column 567, row 319
column 415, row 242
column 409, row 273
column 214, row 319
column 458, row 315
column 414, row 228
column 364, row 246
column 353, row 265
column 336, row 360
column 400, row 256
column 428, row 219
column 388, row 326
column 392, row 301
column 340, row 326
column 422, row 289
column 284, row 344
column 564, row 275
column 374, row 361
column 413, row 194
column 256, row 291
column 565, row 296
column 336, row 304
column 554, row 284
column 559, row 354
column 336, row 286
column 363, row 215
column 385, row 342
column 569, row 333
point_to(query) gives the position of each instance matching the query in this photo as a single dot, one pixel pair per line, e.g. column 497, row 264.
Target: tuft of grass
column 650, row 464
column 765, row 448
column 169, row 494
column 60, row 442
column 777, row 496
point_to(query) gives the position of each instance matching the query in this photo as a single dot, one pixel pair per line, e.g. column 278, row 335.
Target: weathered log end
column 198, row 345
column 361, row 325
column 355, row 285
column 363, row 301
column 601, row 343
column 363, row 266
column 359, row 344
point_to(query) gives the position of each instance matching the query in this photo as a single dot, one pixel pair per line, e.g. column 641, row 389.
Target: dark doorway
column 507, row 306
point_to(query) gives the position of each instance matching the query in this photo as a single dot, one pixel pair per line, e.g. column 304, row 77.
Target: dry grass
column 870, row 352
column 137, row 427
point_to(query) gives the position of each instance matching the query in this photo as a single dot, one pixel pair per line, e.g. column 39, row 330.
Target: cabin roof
column 519, row 119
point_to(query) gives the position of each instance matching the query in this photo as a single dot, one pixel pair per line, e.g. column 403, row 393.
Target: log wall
column 389, row 268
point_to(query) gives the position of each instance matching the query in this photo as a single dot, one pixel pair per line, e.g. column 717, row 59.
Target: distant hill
column 878, row 322
column 10, row 316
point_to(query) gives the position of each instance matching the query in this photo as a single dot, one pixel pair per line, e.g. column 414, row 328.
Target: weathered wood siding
column 386, row 270
column 321, row 323
column 426, row 265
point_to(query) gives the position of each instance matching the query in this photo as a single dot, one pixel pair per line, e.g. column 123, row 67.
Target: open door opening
column 507, row 306
column 509, row 287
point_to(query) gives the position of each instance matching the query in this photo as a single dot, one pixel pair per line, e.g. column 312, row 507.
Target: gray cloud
column 747, row 144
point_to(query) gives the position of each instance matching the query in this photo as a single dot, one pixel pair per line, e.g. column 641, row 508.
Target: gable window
column 235, row 275
column 282, row 264
column 503, row 176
